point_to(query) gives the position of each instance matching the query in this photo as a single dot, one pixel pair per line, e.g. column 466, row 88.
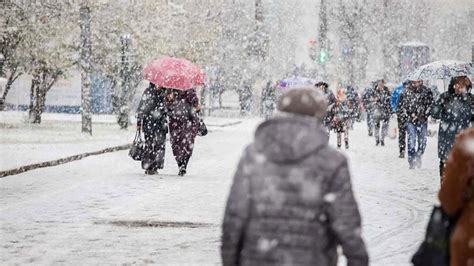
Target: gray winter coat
column 291, row 202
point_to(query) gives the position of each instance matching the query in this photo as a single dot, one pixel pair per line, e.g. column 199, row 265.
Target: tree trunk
column 221, row 92
column 11, row 78
column 85, row 24
column 123, row 118
column 34, row 84
column 40, row 86
column 39, row 107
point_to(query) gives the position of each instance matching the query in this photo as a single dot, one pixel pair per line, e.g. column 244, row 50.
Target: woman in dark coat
column 184, row 123
column 152, row 119
column 453, row 108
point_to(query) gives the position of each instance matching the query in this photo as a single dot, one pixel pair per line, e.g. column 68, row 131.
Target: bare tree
column 85, row 67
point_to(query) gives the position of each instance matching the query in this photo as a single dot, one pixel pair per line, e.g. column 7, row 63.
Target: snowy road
column 97, row 210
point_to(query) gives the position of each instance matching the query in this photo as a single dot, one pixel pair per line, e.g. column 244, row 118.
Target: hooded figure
column 453, row 108
column 457, row 198
column 291, row 201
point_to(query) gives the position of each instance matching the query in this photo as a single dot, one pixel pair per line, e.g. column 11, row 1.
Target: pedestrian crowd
column 296, row 206
column 291, row 201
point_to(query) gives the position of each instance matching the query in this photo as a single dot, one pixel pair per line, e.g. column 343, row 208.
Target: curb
column 65, row 160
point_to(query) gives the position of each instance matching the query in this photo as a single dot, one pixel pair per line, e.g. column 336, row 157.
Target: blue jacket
column 395, row 96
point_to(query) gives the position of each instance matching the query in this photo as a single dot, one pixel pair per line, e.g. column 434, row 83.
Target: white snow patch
column 330, row 197
column 286, row 101
column 468, row 146
column 260, row 158
column 471, row 243
column 265, row 245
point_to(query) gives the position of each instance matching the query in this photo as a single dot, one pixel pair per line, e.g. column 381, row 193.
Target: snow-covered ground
column 94, row 211
column 59, row 135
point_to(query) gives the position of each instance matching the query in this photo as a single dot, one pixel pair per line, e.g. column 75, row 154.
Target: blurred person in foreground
column 457, row 198
column 291, row 201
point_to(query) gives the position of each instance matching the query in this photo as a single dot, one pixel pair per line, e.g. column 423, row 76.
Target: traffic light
column 322, row 56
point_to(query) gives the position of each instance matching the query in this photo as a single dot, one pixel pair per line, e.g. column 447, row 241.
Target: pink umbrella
column 174, row 73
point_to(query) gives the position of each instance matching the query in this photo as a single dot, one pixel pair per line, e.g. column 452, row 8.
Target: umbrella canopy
column 174, row 73
column 442, row 70
column 296, row 81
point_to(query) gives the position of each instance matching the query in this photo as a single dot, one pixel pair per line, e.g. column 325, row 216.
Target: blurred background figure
column 381, row 112
column 341, row 117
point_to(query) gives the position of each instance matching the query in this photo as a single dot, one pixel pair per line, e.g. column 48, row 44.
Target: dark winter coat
column 340, row 113
column 382, row 109
column 454, row 111
column 291, row 201
column 269, row 99
column 353, row 102
column 331, row 101
column 183, row 123
column 152, row 110
column 457, row 198
column 368, row 100
column 414, row 105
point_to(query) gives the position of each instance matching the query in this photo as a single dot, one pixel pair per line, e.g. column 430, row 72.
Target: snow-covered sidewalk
column 59, row 135
column 95, row 211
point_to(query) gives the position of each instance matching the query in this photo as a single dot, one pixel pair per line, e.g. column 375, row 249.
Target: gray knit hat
column 304, row 101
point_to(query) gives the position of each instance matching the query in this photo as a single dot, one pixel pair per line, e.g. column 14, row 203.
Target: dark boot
column 347, row 145
column 182, row 167
column 402, row 154
column 382, row 143
column 151, row 172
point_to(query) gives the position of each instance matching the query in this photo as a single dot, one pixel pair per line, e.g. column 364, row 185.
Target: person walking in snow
column 152, row 120
column 331, row 101
column 401, row 118
column 269, row 98
column 382, row 112
column 414, row 106
column 291, row 201
column 454, row 109
column 457, row 198
column 184, row 125
column 353, row 104
column 369, row 104
column 341, row 118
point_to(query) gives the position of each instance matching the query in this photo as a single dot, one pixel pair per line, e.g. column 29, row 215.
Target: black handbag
column 435, row 248
column 202, row 131
column 138, row 147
